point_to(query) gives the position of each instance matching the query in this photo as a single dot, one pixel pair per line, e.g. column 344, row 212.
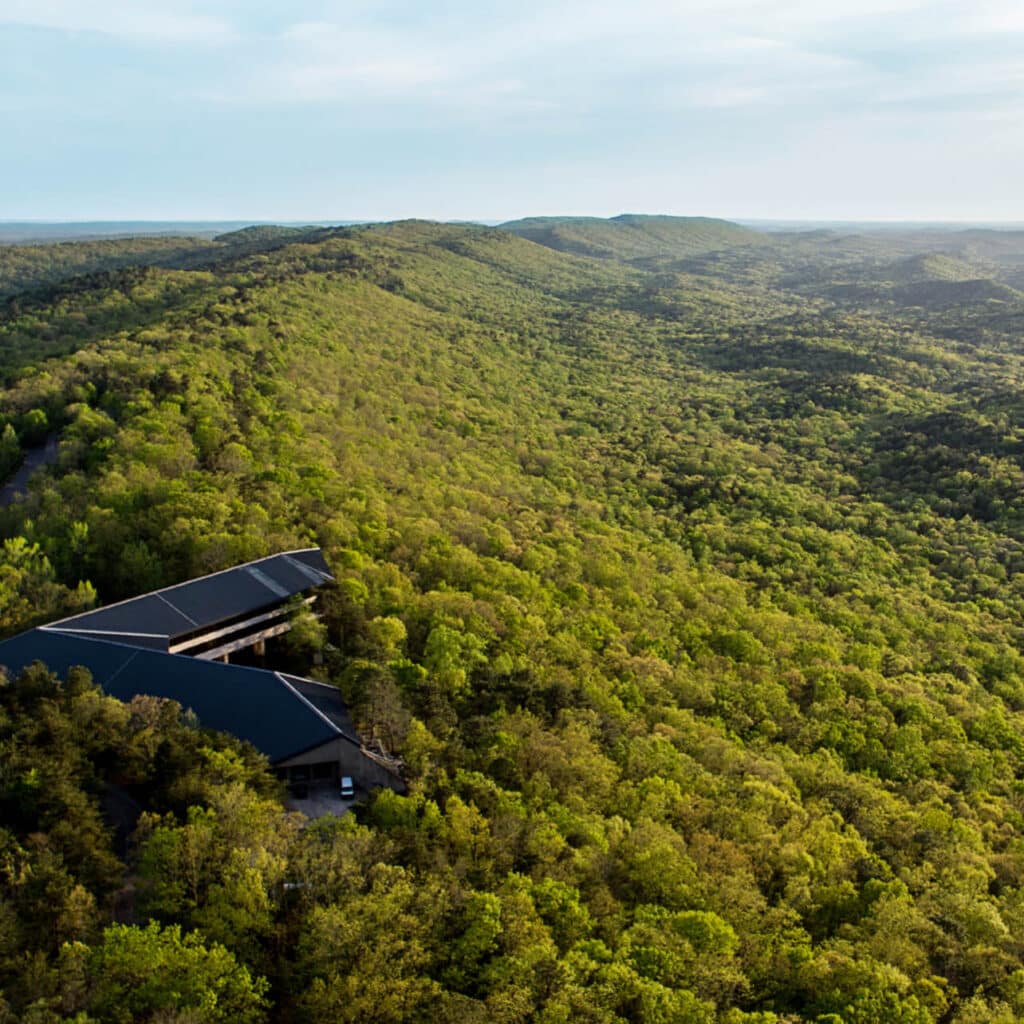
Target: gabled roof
column 124, row 647
column 158, row 618
column 250, row 703
column 327, row 700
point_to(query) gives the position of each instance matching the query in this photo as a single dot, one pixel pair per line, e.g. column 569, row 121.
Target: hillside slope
column 633, row 237
column 32, row 267
column 694, row 607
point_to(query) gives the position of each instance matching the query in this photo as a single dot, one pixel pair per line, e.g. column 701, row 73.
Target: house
column 176, row 643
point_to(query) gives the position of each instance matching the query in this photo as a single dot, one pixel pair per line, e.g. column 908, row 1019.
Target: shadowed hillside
column 30, row 267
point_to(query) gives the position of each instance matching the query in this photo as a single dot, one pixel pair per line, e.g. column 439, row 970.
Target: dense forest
column 680, row 563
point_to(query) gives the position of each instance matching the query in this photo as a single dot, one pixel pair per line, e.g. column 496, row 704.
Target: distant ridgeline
column 635, row 237
column 175, row 643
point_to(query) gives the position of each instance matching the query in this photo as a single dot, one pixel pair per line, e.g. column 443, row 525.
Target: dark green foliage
column 32, row 267
column 687, row 583
column 263, row 235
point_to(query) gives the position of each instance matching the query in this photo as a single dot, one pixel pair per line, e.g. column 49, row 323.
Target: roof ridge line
column 103, row 632
column 171, row 605
column 82, row 639
column 309, row 704
column 134, row 655
column 304, row 679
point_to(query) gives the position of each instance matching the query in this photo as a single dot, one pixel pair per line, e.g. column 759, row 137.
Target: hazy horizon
column 320, row 221
column 28, row 231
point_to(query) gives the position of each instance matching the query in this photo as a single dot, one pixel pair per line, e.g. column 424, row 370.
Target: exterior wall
column 366, row 773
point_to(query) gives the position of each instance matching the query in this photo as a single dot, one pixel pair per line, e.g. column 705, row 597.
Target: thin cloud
column 556, row 58
column 326, row 61
column 779, row 101
column 163, row 23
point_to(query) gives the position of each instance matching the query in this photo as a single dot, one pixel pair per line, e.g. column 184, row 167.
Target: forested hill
column 40, row 269
column 29, row 267
column 690, row 596
column 634, row 236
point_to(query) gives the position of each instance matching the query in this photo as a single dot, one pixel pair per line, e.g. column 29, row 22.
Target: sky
column 318, row 110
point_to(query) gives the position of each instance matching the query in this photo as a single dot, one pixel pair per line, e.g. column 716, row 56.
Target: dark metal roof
column 250, row 703
column 124, row 646
column 327, row 700
column 158, row 618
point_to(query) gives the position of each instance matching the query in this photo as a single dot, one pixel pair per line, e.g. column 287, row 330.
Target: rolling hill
column 633, row 237
column 690, row 596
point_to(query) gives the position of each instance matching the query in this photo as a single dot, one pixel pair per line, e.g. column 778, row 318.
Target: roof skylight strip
column 270, row 584
column 311, row 574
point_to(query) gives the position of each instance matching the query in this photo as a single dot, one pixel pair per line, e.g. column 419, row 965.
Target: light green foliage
column 450, row 655
column 10, row 451
column 308, row 633
column 136, row 974
column 687, row 581
column 368, row 957
column 28, row 590
column 222, row 869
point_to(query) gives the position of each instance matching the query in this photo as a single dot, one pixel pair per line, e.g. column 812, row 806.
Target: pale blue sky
column 319, row 110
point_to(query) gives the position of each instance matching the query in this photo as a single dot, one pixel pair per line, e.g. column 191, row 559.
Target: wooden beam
column 244, row 641
column 216, row 634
